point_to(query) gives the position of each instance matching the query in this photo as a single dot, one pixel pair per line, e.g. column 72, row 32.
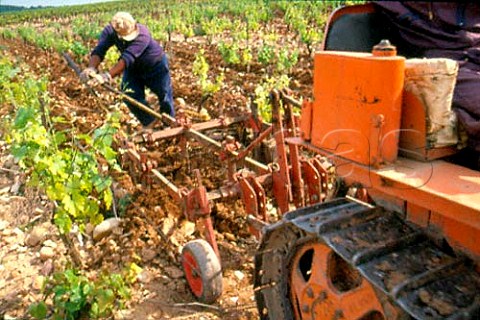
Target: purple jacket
column 452, row 28
column 141, row 54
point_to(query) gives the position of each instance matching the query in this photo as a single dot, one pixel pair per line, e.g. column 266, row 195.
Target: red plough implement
column 246, row 178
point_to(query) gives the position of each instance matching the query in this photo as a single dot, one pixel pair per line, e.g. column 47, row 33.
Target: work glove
column 97, row 79
column 87, row 73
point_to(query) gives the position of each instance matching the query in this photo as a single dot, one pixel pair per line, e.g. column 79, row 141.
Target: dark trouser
column 466, row 97
column 466, row 101
column 158, row 81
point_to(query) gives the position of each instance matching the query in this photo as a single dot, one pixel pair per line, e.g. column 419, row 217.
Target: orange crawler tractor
column 406, row 242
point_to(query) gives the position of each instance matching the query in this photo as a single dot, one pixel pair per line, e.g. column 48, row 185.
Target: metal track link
column 426, row 281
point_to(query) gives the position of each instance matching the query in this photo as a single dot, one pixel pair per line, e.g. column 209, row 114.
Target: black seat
column 359, row 27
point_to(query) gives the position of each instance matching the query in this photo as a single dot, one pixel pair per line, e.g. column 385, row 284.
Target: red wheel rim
column 192, row 273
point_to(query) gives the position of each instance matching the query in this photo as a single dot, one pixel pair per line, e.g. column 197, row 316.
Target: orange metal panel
column 306, row 120
column 414, row 131
column 418, row 215
column 458, row 234
column 452, row 184
column 357, row 105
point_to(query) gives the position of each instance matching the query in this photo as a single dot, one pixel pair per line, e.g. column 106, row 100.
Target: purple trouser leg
column 466, row 96
column 466, row 103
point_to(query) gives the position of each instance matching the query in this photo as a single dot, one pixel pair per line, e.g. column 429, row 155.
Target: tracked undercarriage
column 348, row 260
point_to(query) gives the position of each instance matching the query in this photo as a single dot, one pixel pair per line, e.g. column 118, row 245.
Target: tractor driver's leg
column 466, row 101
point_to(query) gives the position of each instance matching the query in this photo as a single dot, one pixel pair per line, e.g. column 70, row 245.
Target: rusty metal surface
column 281, row 177
column 179, row 128
column 315, row 177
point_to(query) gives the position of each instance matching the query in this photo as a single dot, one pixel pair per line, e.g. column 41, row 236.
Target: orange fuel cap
column 384, row 49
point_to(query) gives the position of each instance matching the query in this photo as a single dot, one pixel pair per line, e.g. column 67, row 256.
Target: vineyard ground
column 31, row 248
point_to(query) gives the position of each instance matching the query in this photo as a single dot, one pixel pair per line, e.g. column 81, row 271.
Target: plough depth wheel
column 203, row 270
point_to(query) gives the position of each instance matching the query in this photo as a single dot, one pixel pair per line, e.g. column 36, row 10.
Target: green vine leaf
column 38, row 310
